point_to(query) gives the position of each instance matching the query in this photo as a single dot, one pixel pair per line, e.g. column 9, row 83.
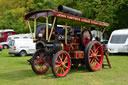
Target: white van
column 19, row 36
column 22, row 47
column 118, row 41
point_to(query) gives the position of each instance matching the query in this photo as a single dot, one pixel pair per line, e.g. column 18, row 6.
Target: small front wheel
column 61, row 64
column 40, row 62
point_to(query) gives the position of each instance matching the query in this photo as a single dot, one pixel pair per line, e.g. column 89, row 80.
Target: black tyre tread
column 53, row 63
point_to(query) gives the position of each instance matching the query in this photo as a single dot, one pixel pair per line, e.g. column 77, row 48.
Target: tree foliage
column 113, row 12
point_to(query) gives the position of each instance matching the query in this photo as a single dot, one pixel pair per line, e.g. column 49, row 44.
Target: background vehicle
column 118, row 41
column 4, row 35
column 98, row 35
column 4, row 45
column 60, row 50
column 1, row 47
column 21, row 47
column 19, row 36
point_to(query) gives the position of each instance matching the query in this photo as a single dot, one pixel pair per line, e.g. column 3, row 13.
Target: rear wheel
column 40, row 62
column 93, row 56
column 61, row 64
column 5, row 47
column 23, row 53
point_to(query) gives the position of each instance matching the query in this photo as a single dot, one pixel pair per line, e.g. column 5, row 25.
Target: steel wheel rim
column 62, row 64
column 96, row 56
column 40, row 65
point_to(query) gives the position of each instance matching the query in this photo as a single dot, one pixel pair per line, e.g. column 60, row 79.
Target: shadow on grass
column 79, row 69
column 11, row 55
column 119, row 54
column 28, row 73
column 50, row 75
column 17, row 75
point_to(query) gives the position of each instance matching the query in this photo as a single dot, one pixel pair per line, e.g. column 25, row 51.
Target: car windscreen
column 118, row 39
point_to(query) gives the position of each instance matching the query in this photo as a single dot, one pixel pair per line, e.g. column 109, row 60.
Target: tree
column 12, row 15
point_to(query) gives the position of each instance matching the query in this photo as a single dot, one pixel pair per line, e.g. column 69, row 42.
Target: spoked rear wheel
column 93, row 56
column 61, row 64
column 40, row 62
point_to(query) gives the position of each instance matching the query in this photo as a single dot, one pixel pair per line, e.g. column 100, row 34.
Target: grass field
column 16, row 71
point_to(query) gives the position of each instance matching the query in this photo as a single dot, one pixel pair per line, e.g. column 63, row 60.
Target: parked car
column 22, row 47
column 118, row 41
column 4, row 45
column 0, row 47
column 104, row 42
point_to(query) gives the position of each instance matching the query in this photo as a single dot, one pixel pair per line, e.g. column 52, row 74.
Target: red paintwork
column 62, row 65
column 81, row 19
column 78, row 55
column 73, row 48
column 5, row 35
column 96, row 56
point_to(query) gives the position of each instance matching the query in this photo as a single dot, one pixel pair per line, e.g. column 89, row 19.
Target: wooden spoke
column 91, row 51
column 94, row 48
column 41, row 67
column 57, row 69
column 57, row 66
column 99, row 55
column 65, row 66
column 65, row 60
column 90, row 56
column 97, row 49
column 60, row 58
column 62, row 70
column 57, row 62
column 92, row 60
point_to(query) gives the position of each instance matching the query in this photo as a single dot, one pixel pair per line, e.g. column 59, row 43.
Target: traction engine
column 61, row 48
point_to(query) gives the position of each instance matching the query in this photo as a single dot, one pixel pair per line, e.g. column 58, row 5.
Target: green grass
column 16, row 71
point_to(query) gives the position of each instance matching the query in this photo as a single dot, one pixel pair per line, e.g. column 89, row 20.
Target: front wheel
column 61, row 64
column 93, row 56
column 40, row 62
